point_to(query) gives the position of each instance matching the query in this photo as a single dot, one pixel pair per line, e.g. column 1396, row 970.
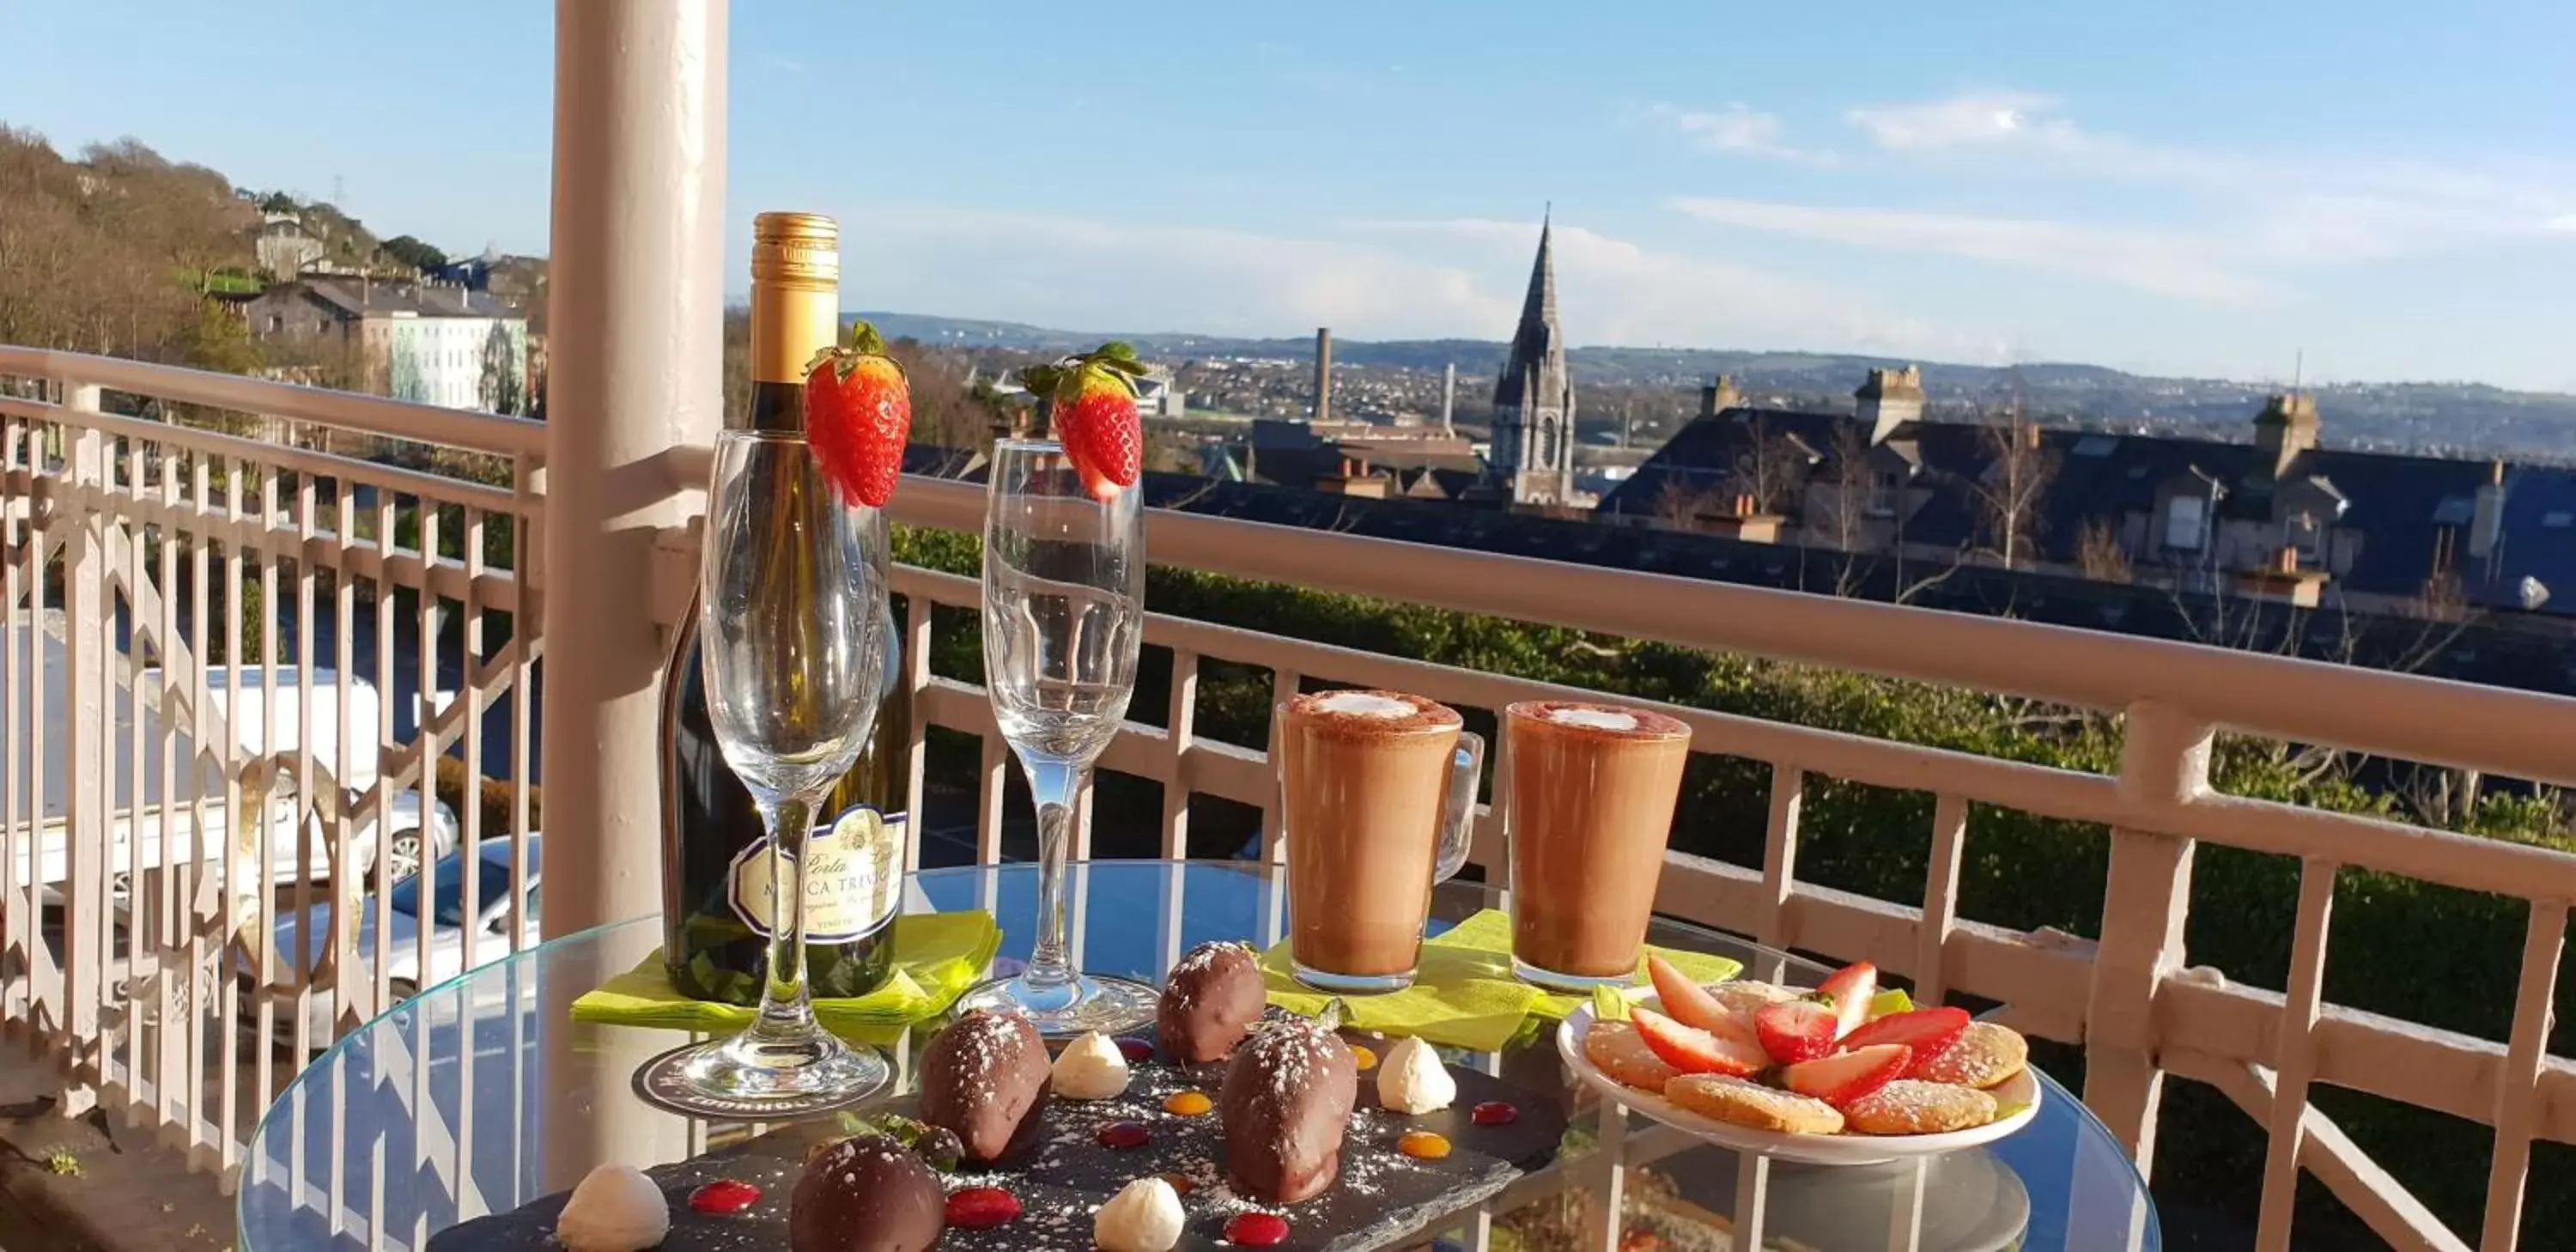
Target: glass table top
column 482, row 1094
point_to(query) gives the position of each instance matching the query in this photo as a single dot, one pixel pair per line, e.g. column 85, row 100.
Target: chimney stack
column 1890, row 399
column 1323, row 374
column 2286, row 427
column 1448, row 399
column 2486, row 525
column 1719, row 396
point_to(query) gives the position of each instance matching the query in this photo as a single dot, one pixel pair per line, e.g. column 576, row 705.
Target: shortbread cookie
column 1985, row 1054
column 1622, row 1053
column 1744, row 1102
column 1910, row 1106
column 1749, row 997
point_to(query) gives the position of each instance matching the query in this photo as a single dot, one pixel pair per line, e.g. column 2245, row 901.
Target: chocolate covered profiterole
column 1286, row 1103
column 985, row 1079
column 1210, row 1002
column 868, row 1194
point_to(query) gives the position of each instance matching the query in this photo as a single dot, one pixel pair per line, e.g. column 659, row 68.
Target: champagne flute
column 1064, row 616
column 793, row 634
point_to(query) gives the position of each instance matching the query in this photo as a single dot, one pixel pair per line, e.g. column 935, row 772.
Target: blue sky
column 2200, row 188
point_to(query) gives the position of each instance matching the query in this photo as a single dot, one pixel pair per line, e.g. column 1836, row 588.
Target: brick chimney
column 2286, row 427
column 1890, row 399
column 1719, row 396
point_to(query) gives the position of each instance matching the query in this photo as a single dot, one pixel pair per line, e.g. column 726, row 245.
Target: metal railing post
column 2163, row 761
column 87, row 731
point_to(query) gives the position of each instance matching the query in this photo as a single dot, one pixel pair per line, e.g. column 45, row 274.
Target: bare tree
column 1771, row 468
column 1677, row 506
column 2099, row 554
column 1846, row 516
column 2008, row 497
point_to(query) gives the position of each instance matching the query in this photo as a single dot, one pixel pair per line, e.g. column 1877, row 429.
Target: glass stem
column 785, row 1009
column 1055, row 786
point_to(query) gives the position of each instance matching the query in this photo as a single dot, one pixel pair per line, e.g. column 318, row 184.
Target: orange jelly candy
column 1362, row 1057
column 1423, row 1145
column 1188, row 1103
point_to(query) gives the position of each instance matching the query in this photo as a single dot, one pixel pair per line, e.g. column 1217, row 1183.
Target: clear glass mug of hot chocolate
column 1377, row 794
column 1589, row 810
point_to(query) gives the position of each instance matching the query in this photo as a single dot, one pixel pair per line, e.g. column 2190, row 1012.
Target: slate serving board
column 1381, row 1197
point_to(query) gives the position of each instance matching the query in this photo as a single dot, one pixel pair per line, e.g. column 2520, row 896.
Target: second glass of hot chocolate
column 1377, row 800
column 1590, row 809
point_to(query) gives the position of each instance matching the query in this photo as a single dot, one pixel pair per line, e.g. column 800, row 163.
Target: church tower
column 1533, row 452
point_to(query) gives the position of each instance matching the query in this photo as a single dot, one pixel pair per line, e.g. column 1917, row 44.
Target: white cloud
column 2165, row 263
column 1365, row 279
column 1975, row 120
column 1738, row 130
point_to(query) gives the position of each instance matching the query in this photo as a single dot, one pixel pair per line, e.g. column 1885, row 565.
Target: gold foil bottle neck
column 796, row 250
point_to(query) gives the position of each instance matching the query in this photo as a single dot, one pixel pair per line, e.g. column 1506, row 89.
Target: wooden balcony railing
column 114, row 522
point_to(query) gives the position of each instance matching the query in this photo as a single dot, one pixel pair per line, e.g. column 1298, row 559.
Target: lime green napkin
column 1460, row 997
column 936, row 957
column 1490, row 932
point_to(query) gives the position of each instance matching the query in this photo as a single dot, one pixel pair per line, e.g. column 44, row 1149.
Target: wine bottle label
column 852, row 884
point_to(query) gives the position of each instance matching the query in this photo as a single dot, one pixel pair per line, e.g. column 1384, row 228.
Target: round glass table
column 482, row 1094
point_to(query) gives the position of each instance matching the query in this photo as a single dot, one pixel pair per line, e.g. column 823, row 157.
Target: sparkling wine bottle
column 715, row 861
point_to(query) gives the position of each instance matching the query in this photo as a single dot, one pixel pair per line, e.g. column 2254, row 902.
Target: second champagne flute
column 1064, row 618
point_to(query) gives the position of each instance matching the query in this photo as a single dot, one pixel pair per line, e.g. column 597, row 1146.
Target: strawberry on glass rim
column 858, row 416
column 1092, row 400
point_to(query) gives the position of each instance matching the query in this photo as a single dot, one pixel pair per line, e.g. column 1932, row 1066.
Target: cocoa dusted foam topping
column 1368, row 714
column 1608, row 721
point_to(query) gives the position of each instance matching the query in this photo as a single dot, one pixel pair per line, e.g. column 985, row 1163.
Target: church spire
column 1533, row 426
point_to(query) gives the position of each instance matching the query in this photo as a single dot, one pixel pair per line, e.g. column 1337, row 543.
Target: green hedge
column 2411, row 950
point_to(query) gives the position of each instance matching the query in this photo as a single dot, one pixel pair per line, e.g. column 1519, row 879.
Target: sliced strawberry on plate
column 858, row 416
column 1851, row 989
column 1092, row 401
column 1685, row 1001
column 1796, row 1030
column 1695, row 1051
column 1847, row 1076
column 1925, row 1031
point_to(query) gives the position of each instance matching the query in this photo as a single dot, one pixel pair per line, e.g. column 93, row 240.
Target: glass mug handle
column 1458, row 812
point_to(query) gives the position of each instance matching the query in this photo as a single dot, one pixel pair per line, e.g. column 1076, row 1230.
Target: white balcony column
column 2164, row 763
column 636, row 310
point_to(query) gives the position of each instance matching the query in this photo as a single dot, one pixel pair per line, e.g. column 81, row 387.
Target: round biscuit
column 1622, row 1053
column 1750, row 997
column 1742, row 1102
column 1986, row 1054
column 1910, row 1106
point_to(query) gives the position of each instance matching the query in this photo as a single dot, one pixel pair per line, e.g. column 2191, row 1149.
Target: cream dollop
column 1145, row 1216
column 1412, row 1080
column 615, row 1209
column 1364, row 704
column 1091, row 1068
column 1598, row 719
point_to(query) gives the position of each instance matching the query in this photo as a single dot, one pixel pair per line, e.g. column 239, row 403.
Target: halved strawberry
column 1847, row 1076
column 1796, row 1030
column 1925, row 1031
column 858, row 416
column 1092, row 401
column 1695, row 1051
column 1685, row 1001
column 1851, row 988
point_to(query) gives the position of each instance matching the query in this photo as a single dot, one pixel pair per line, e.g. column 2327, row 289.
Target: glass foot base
column 1349, row 984
column 748, row 1079
column 1086, row 1003
column 1578, row 984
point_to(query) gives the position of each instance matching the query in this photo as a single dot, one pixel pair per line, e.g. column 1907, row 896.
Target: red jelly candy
column 1494, row 1113
column 1135, row 1050
column 1124, row 1135
column 1256, row 1230
column 724, row 1196
column 976, row 1208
